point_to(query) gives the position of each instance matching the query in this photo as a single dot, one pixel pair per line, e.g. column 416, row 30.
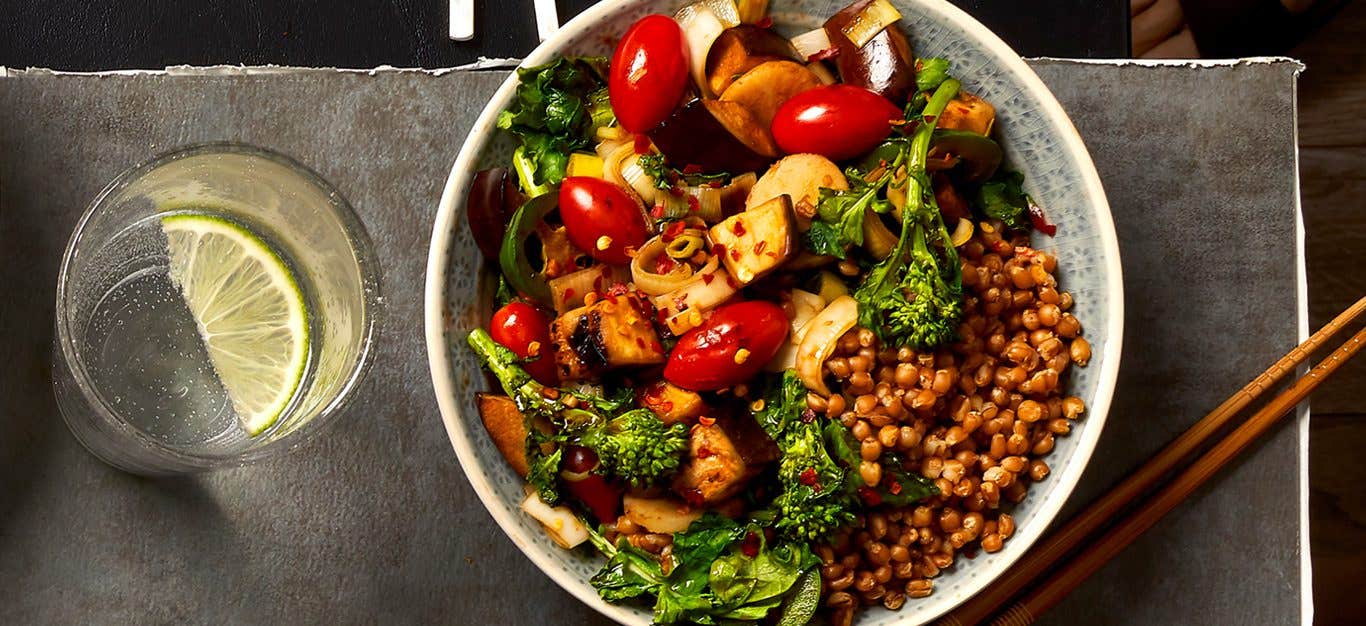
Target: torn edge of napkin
column 483, row 64
column 504, row 63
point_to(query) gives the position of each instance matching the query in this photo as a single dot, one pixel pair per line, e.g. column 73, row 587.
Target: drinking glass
column 133, row 379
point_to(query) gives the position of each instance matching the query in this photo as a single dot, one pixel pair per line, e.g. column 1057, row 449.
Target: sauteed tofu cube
column 715, row 469
column 610, row 333
column 757, row 241
column 671, row 403
column 722, row 457
column 970, row 113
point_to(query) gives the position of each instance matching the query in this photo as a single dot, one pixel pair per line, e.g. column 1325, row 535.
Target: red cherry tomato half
column 835, row 121
column 520, row 327
column 649, row 73
column 730, row 347
column 602, row 498
column 601, row 219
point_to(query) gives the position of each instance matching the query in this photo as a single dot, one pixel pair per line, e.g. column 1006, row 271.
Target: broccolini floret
column 924, row 310
column 637, row 447
column 914, row 296
column 812, row 503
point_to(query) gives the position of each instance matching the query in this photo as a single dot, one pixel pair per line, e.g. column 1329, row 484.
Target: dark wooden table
column 151, row 34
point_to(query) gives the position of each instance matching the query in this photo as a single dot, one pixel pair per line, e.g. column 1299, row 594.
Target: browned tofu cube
column 612, row 332
column 715, row 470
column 671, row 403
column 968, row 112
column 755, row 242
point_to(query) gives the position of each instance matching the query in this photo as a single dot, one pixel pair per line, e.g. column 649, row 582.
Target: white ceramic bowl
column 1039, row 140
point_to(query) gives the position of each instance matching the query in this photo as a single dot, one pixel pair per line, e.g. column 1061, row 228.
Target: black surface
column 151, row 34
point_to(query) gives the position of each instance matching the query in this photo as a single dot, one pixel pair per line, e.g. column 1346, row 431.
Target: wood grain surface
column 1333, row 191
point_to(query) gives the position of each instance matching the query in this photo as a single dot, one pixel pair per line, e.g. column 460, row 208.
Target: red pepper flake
column 808, row 477
column 750, row 546
column 706, row 421
column 870, row 496
column 1040, row 221
column 665, row 406
column 672, row 231
column 642, row 144
column 652, row 393
column 569, row 293
column 658, row 211
column 730, row 280
column 929, row 119
column 824, row 55
column 1001, row 246
column 703, row 452
column 894, row 488
column 656, row 347
column 692, row 168
column 735, row 255
column 640, row 342
column 693, row 205
column 738, row 228
column 970, row 553
column 765, row 22
column 759, row 247
column 715, row 184
column 664, row 264
column 718, row 249
column 617, row 290
column 708, row 277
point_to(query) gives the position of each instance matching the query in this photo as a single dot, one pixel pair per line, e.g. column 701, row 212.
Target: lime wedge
column 249, row 311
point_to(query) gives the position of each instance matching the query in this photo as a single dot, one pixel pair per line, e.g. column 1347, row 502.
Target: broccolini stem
column 502, row 362
column 531, row 397
column 920, row 151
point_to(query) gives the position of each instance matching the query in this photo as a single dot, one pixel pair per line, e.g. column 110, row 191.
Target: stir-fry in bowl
column 778, row 322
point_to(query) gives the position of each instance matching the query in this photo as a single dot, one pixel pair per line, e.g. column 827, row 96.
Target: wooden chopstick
column 1051, row 591
column 547, row 18
column 1066, row 539
column 462, row 20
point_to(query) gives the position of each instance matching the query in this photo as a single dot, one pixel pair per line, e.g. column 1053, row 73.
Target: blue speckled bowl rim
column 438, row 319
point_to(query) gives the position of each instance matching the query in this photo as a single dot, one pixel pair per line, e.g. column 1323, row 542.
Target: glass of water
column 215, row 306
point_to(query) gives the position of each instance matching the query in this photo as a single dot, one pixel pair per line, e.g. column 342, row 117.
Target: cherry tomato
column 518, row 326
column 601, row 219
column 649, row 73
column 602, row 498
column 710, row 357
column 835, row 121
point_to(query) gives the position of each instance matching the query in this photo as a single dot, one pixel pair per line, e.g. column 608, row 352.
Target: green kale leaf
column 559, row 107
column 1003, row 198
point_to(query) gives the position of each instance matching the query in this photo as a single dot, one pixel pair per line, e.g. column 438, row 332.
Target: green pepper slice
column 512, row 257
column 980, row 155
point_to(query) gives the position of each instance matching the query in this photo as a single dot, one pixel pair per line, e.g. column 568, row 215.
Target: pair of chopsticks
column 1043, row 571
column 462, row 19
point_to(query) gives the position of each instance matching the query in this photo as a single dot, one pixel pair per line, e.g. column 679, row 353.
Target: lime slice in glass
column 249, row 311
